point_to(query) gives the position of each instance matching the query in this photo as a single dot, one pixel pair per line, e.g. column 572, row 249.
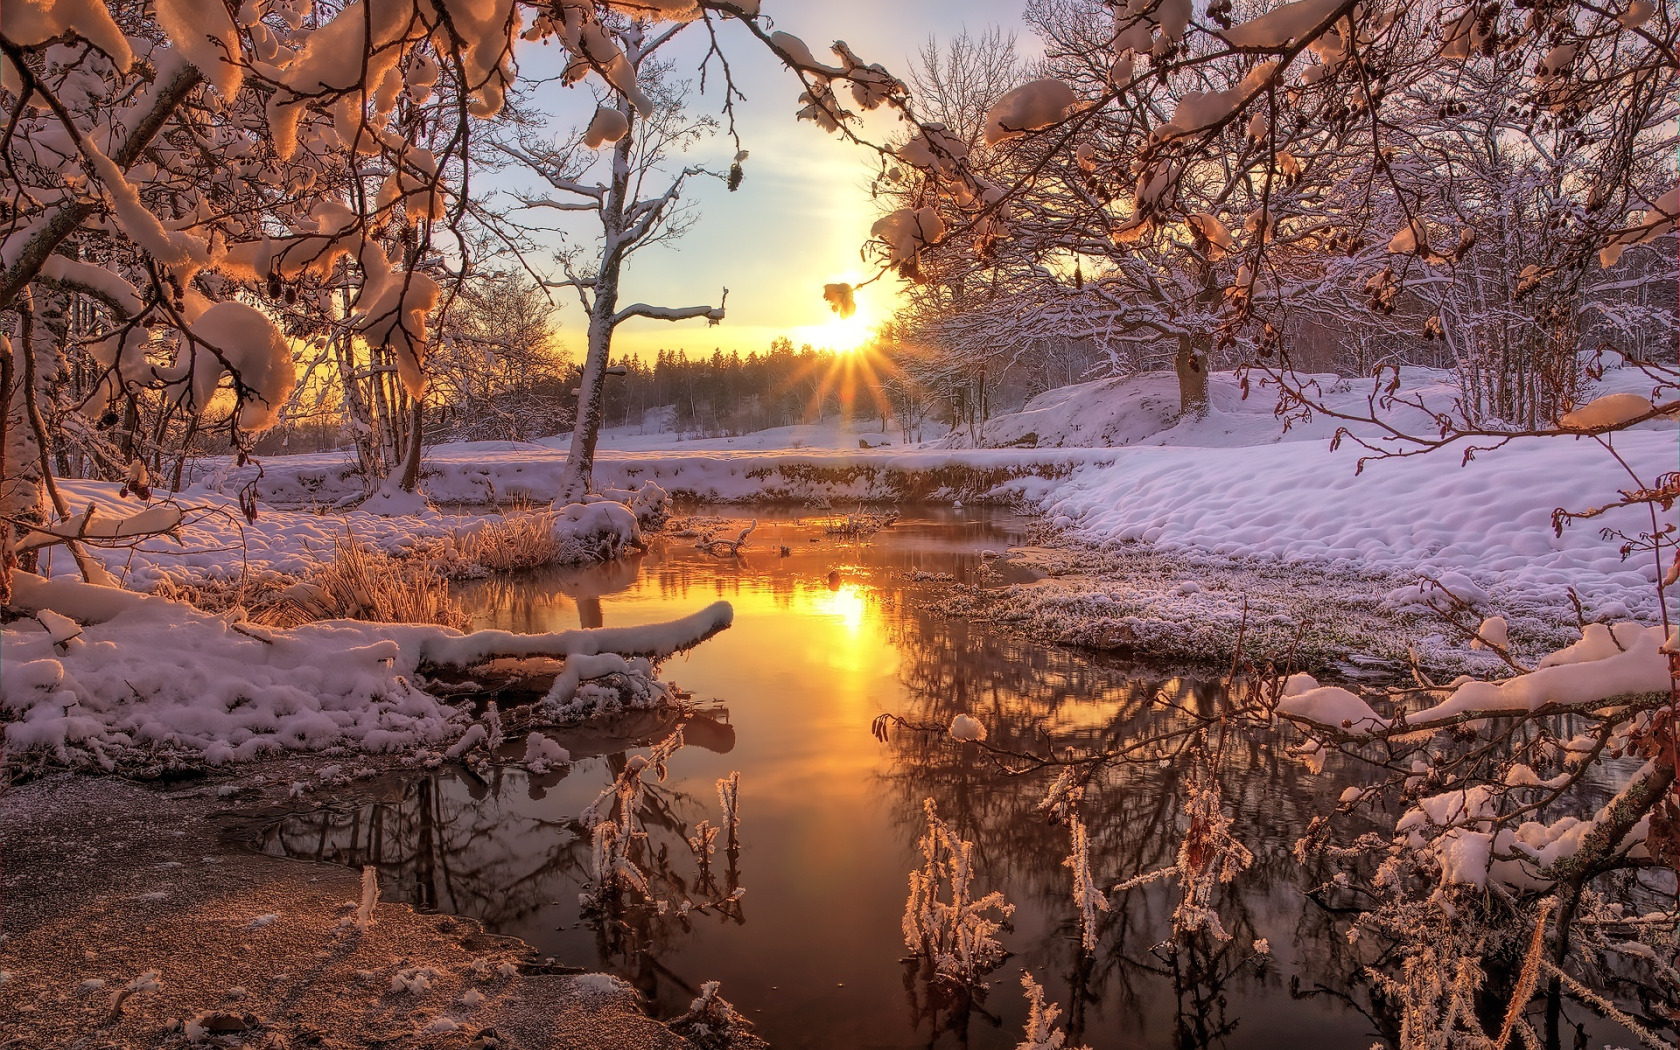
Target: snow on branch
column 714, row 314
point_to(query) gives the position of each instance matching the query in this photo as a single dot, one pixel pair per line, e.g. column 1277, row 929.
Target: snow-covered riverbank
column 1235, row 487
column 1169, row 545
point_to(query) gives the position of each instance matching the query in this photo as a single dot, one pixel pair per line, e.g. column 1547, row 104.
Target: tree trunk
column 1191, row 366
column 411, row 465
column 22, row 487
column 579, row 475
column 586, row 428
column 356, row 413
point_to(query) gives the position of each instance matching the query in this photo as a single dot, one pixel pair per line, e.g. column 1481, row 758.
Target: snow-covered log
column 148, row 679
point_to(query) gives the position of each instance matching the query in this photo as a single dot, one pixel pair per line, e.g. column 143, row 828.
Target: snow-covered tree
column 498, row 371
column 614, row 171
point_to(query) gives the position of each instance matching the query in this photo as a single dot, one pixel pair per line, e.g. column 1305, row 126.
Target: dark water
column 823, row 641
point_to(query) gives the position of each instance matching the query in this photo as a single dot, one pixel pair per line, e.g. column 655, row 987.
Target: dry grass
column 259, row 595
column 362, row 583
column 358, row 583
column 522, row 538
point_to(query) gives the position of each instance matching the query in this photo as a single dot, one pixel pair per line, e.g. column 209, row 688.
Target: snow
column 1203, row 109
column 934, row 148
column 1237, row 486
column 1328, row 705
column 158, row 677
column 796, row 50
column 1035, row 104
column 33, row 22
column 253, row 350
column 1585, row 673
column 714, row 471
column 606, row 527
column 1277, row 28
column 392, row 501
column 600, row 984
column 907, row 231
column 967, row 729
column 175, row 250
column 397, row 318
column 607, row 126
column 543, row 754
column 90, row 527
column 1472, row 852
column 1637, row 14
column 1493, row 633
column 1603, row 413
column 204, row 34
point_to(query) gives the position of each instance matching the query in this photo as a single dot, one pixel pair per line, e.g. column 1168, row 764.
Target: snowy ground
column 217, row 542
column 1110, row 466
column 1158, row 546
column 507, row 471
column 109, row 884
column 833, row 433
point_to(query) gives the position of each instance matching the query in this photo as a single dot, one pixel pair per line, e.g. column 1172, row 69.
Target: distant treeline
column 724, row 394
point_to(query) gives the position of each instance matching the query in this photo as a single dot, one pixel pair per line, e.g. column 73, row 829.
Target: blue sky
column 803, row 210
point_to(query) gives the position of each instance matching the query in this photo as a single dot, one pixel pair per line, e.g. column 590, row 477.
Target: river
column 830, row 632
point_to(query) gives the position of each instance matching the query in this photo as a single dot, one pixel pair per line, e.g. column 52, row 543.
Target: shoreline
column 99, row 892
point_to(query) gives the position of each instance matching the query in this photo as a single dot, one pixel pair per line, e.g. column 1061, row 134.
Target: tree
column 637, row 205
column 497, row 371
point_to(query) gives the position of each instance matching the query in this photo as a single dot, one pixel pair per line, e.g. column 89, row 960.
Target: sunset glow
column 830, row 331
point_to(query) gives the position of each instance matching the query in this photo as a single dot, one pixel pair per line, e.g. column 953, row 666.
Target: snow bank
column 203, row 535
column 1296, row 502
column 481, row 472
column 1237, row 485
column 150, row 679
column 214, row 541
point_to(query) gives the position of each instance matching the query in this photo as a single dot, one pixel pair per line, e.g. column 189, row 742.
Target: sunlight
column 845, row 604
column 843, row 335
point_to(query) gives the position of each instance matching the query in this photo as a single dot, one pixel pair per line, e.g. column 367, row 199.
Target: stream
column 827, row 636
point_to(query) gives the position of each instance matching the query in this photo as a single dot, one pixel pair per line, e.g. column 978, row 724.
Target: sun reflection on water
column 844, row 603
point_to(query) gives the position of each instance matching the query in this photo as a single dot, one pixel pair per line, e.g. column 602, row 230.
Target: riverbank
column 1226, row 500
column 130, row 922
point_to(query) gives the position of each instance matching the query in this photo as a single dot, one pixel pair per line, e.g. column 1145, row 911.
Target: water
column 825, row 639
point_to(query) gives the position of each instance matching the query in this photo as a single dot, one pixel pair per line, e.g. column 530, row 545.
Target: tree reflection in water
column 514, row 848
column 1045, row 700
column 834, row 817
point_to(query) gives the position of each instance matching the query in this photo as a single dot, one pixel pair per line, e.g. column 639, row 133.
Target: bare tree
column 637, row 204
column 497, row 372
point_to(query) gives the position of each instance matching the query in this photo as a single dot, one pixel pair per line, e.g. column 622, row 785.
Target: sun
column 843, row 335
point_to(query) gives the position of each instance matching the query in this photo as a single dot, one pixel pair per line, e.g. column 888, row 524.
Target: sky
column 803, row 210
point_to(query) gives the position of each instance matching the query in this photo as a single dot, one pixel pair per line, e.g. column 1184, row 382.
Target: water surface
column 826, row 637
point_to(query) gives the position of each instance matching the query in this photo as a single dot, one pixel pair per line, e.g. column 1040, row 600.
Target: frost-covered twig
column 1041, row 1031
column 149, row 981
column 724, row 548
column 953, row 931
column 370, row 897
